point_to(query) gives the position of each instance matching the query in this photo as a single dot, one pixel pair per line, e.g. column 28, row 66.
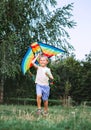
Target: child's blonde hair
column 43, row 56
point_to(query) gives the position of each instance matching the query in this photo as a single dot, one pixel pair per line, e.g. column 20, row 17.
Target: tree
column 26, row 21
column 67, row 72
column 86, row 78
column 88, row 57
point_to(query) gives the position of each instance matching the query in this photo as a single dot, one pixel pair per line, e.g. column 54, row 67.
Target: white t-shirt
column 41, row 77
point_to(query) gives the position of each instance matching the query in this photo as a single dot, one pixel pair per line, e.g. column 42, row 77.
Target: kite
column 34, row 49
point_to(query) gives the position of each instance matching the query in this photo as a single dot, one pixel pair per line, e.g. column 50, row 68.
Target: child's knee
column 38, row 96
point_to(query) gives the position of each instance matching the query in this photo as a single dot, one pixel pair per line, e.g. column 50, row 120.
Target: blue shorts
column 43, row 90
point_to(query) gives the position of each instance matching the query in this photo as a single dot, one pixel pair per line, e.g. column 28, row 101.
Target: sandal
column 39, row 111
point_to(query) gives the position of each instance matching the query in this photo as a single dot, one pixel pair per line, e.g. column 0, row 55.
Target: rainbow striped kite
column 35, row 48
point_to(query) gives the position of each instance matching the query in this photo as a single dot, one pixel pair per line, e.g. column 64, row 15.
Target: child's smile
column 43, row 62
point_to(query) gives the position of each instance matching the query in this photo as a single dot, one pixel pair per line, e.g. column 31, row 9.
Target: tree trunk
column 2, row 90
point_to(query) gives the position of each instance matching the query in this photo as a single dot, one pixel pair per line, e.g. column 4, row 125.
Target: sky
column 81, row 34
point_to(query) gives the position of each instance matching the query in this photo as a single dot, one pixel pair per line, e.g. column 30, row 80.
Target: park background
column 25, row 22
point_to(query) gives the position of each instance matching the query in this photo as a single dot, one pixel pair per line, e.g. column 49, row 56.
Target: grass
column 13, row 117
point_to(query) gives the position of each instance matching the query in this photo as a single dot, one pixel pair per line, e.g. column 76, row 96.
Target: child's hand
column 51, row 81
column 38, row 56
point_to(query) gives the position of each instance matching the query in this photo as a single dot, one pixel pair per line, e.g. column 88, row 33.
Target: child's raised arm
column 34, row 60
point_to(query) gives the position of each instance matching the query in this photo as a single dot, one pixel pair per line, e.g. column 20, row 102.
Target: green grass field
column 13, row 117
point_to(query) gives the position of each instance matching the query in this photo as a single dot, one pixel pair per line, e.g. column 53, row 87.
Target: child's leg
column 39, row 94
column 39, row 101
column 46, row 106
column 45, row 96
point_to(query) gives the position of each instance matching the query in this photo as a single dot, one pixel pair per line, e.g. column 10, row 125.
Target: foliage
column 20, row 87
column 74, row 73
column 23, row 22
column 26, row 21
column 71, row 78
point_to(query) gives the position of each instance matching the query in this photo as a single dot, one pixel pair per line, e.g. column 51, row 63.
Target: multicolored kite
column 35, row 48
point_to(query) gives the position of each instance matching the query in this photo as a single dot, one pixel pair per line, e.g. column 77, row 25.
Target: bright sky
column 81, row 34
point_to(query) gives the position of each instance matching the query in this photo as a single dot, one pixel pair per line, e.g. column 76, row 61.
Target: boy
column 42, row 82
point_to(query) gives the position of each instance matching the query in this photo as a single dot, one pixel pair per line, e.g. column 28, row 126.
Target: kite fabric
column 27, row 60
column 34, row 49
column 49, row 50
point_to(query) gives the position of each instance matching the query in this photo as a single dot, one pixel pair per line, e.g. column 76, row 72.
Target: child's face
column 43, row 61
